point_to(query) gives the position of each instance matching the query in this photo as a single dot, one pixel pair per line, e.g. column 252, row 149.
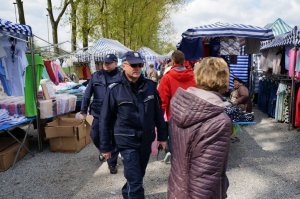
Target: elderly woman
column 200, row 135
column 240, row 95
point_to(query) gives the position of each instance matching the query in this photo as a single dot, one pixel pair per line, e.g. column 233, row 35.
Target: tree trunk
column 74, row 26
column 85, row 32
column 21, row 12
column 54, row 23
column 55, row 38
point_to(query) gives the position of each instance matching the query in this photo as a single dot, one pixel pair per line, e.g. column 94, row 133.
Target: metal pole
column 48, row 30
column 15, row 11
column 35, row 93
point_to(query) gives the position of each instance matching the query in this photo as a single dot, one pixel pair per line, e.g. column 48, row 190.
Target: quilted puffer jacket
column 200, row 141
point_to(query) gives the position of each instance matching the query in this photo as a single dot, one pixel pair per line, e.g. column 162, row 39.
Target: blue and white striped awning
column 101, row 48
column 291, row 38
column 149, row 55
column 106, row 46
column 225, row 29
column 10, row 28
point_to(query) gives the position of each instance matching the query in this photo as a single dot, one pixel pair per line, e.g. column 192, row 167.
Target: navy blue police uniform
column 97, row 88
column 130, row 113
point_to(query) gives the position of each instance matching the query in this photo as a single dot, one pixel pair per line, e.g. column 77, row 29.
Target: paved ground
column 265, row 164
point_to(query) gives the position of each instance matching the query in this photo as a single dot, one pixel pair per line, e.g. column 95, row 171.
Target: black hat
column 238, row 79
column 109, row 58
column 133, row 57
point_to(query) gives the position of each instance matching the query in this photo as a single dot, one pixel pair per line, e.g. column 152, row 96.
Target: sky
column 192, row 14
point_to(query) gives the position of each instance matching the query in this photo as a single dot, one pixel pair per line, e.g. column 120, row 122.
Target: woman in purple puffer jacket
column 200, row 135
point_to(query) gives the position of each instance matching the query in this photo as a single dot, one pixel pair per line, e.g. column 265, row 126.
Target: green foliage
column 135, row 23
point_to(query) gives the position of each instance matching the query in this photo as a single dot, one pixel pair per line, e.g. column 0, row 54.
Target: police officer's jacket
column 97, row 87
column 130, row 114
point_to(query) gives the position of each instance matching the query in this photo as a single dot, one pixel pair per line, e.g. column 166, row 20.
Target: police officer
column 131, row 111
column 97, row 87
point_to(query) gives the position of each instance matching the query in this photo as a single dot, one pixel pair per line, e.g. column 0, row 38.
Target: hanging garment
column 86, row 72
column 297, row 67
column 276, row 60
column 229, row 46
column 30, row 105
column 292, row 60
column 297, row 115
column 4, row 80
column 15, row 63
column 45, row 74
column 279, row 111
column 50, row 72
column 287, row 56
column 55, row 71
column 263, row 61
column 286, row 104
column 191, row 48
column 61, row 71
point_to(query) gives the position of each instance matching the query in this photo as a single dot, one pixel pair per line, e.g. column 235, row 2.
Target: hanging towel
column 292, row 54
column 50, row 72
column 30, row 105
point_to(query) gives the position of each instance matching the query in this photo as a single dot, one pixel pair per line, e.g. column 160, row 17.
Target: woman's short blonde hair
column 212, row 74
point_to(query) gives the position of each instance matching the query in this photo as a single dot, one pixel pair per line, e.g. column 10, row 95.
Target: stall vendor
column 240, row 95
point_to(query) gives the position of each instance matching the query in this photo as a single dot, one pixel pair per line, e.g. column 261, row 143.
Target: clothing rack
column 19, row 32
column 287, row 39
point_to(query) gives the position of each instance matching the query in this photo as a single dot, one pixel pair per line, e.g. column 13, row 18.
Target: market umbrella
column 226, row 30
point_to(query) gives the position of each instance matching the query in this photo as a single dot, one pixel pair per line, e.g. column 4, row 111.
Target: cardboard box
column 67, row 134
column 7, row 155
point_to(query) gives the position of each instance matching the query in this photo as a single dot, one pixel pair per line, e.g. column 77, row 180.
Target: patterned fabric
column 237, row 115
column 280, row 107
column 286, row 105
column 14, row 28
column 229, row 46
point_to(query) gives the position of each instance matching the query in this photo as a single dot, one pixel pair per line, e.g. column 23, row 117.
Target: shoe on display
column 113, row 169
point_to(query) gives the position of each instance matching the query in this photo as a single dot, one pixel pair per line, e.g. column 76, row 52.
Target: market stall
column 13, row 47
column 94, row 55
column 285, row 81
column 225, row 40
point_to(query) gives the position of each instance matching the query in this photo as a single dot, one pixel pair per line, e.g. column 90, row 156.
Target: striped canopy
column 106, row 46
column 225, row 29
column 101, row 48
column 291, row 38
column 18, row 30
column 149, row 55
column 279, row 27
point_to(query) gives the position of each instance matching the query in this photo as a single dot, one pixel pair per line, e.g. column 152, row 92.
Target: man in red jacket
column 178, row 76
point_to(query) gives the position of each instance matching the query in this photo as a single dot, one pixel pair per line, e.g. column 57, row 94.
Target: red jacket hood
column 181, row 75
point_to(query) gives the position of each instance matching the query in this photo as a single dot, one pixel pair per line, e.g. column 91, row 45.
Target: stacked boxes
column 8, row 151
column 68, row 134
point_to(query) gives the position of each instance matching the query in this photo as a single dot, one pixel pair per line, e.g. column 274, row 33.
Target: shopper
column 131, row 111
column 177, row 76
column 96, row 88
column 152, row 73
column 200, row 135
